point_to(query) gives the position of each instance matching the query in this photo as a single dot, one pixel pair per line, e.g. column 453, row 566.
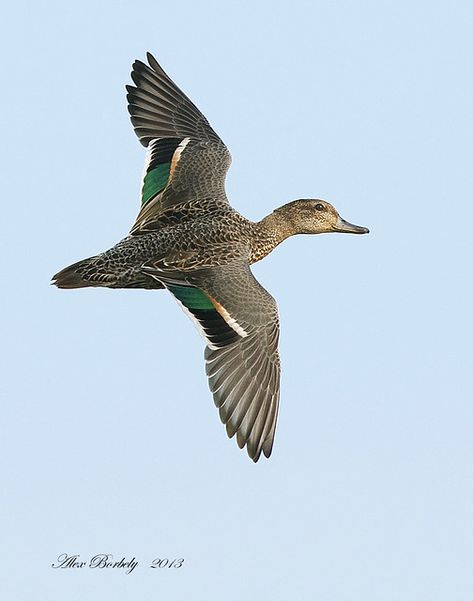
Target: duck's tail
column 79, row 275
column 97, row 272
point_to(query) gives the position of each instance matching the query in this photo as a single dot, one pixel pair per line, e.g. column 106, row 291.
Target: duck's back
column 186, row 241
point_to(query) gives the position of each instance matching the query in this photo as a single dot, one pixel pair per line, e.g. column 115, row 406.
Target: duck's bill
column 350, row 228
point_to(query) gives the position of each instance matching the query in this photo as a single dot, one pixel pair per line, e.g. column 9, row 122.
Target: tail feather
column 95, row 272
column 76, row 276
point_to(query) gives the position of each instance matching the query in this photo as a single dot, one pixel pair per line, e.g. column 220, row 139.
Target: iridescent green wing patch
column 158, row 167
column 192, row 298
column 203, row 311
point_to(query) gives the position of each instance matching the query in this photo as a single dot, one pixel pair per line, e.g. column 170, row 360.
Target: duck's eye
column 320, row 207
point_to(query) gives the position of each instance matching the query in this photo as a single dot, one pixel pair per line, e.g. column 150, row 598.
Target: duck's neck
column 268, row 233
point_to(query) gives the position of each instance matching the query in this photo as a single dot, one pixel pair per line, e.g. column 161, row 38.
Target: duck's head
column 315, row 216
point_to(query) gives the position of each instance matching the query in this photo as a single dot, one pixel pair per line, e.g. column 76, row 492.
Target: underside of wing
column 186, row 160
column 239, row 321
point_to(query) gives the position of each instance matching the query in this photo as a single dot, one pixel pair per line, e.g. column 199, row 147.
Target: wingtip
column 153, row 63
column 255, row 457
column 254, row 453
column 267, row 450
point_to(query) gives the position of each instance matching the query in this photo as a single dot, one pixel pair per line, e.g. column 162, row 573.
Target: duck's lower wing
column 239, row 320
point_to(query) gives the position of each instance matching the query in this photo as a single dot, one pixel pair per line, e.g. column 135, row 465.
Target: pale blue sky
column 111, row 442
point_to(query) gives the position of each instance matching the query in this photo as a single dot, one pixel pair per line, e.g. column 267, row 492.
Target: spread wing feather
column 239, row 320
column 186, row 159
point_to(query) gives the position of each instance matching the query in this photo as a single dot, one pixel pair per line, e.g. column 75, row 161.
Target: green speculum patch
column 155, row 181
column 192, row 298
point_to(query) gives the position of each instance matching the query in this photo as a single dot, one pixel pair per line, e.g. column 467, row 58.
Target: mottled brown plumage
column 188, row 239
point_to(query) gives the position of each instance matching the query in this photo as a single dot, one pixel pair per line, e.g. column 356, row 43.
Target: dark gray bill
column 350, row 228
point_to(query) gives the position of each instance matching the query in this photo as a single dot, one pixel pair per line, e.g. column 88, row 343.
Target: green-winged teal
column 188, row 239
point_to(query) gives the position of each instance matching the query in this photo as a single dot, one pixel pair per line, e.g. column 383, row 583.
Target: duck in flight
column 188, row 240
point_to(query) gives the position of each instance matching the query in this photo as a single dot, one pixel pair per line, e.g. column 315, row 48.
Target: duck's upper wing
column 239, row 320
column 186, row 160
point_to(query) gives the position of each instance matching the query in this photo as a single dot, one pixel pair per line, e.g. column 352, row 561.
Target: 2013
column 167, row 563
